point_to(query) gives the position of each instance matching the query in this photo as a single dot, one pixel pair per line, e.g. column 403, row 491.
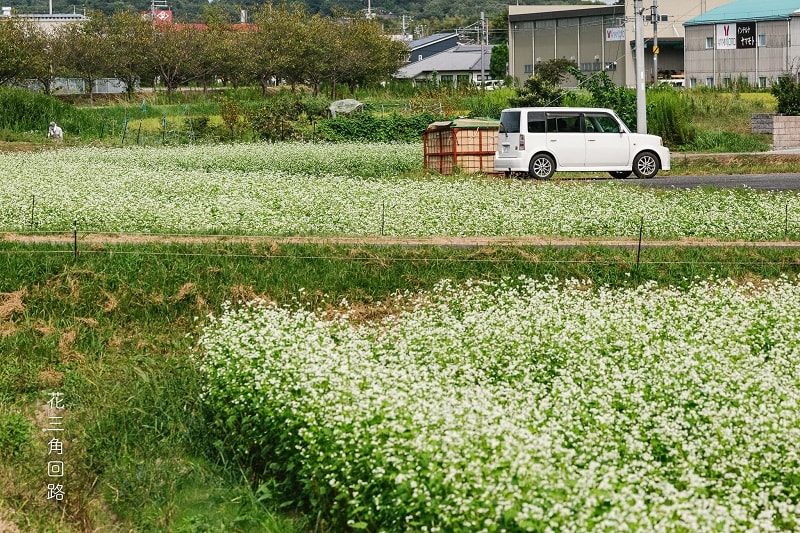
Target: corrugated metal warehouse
column 752, row 40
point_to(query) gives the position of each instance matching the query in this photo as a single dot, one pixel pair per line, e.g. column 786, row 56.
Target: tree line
column 283, row 44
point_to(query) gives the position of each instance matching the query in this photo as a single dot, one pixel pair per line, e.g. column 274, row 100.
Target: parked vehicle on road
column 542, row 140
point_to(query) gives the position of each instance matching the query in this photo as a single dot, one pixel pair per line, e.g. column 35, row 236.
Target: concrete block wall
column 761, row 123
column 785, row 132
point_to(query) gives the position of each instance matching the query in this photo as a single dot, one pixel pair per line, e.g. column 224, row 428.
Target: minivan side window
column 509, row 121
column 564, row 123
column 536, row 122
column 601, row 123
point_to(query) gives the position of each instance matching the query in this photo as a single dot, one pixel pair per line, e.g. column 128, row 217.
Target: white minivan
column 543, row 140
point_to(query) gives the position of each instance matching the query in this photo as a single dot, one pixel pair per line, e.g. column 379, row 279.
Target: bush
column 285, row 116
column 787, row 91
column 367, row 127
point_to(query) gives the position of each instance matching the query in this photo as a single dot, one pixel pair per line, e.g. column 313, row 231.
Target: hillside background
column 427, row 16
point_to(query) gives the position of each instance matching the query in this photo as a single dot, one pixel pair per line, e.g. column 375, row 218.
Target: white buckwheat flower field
column 526, row 406
column 513, row 405
column 354, row 190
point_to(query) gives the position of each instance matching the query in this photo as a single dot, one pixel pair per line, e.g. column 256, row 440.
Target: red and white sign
column 163, row 15
column 726, row 36
column 615, row 34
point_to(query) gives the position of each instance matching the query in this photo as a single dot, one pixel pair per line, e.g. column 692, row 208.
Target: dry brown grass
column 11, row 303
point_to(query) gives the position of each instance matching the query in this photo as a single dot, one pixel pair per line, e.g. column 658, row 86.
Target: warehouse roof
column 748, row 10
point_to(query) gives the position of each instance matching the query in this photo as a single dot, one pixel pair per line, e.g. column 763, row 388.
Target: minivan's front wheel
column 646, row 165
column 542, row 167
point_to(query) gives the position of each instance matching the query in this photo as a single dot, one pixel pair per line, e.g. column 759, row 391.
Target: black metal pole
column 639, row 248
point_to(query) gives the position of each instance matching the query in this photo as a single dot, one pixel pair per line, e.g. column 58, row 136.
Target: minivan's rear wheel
column 646, row 165
column 620, row 174
column 542, row 167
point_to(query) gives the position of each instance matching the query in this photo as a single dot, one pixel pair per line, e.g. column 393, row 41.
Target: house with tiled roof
column 464, row 63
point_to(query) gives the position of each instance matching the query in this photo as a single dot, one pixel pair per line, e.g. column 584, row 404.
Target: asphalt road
column 770, row 182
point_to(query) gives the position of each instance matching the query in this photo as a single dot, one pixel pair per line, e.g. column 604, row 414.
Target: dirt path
column 100, row 239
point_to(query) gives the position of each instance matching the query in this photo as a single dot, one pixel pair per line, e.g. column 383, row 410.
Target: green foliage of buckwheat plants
column 522, row 405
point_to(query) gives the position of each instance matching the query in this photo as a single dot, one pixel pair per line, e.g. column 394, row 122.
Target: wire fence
column 79, row 243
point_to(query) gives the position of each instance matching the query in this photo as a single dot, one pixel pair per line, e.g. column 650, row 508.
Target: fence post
column 383, row 217
column 75, row 239
column 639, row 247
column 33, row 207
column 786, row 223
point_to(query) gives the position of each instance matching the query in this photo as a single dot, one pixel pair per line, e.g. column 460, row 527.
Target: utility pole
column 656, row 51
column 641, row 103
column 483, row 77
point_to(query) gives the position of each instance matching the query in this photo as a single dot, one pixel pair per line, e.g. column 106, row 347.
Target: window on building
column 710, row 81
column 726, row 82
column 462, row 79
column 692, row 82
column 447, row 78
column 529, row 69
column 762, row 82
column 709, row 43
column 762, row 40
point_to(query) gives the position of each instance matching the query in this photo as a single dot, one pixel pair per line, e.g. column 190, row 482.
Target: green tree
column 605, row 93
column 13, row 53
column 498, row 64
column 544, row 88
column 87, row 55
column 174, row 54
column 364, row 53
column 277, row 50
column 130, row 40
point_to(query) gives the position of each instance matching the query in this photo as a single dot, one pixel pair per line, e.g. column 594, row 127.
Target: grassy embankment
column 113, row 331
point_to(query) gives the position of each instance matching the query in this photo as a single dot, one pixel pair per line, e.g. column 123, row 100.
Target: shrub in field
column 24, row 110
column 523, row 406
column 787, row 91
column 369, row 128
column 670, row 116
column 284, row 116
column 488, row 103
